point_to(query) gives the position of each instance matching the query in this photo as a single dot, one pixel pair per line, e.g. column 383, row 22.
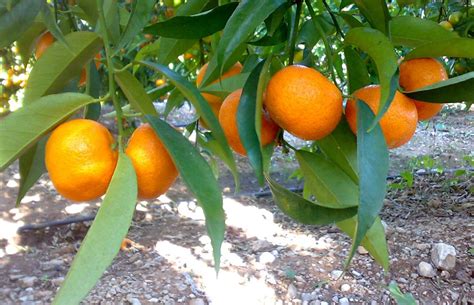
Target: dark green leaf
column 27, row 41
column 15, row 22
column 276, row 19
column 112, row 21
column 246, row 121
column 195, row 26
column 352, row 21
column 103, row 239
column 243, row 22
column 227, row 85
column 412, row 32
column 310, row 36
column 400, row 297
column 31, row 168
column 135, row 92
column 372, row 156
column 455, row 90
column 202, row 106
column 23, row 128
column 89, row 7
column 377, row 45
column 357, row 73
column 51, row 24
column 374, row 241
column 57, row 66
column 304, row 211
column 175, row 100
column 455, row 47
column 197, row 175
column 341, row 148
column 376, row 12
column 158, row 92
column 331, row 186
column 140, row 15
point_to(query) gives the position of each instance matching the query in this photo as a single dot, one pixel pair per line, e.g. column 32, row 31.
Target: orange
column 228, row 121
column 43, row 43
column 83, row 79
column 214, row 100
column 304, row 102
column 160, row 82
column 80, row 159
column 398, row 123
column 153, row 165
column 419, row 73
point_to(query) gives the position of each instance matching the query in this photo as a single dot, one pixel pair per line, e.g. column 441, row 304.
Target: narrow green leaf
column 23, row 128
column 341, row 148
column 31, row 168
column 15, row 21
column 135, row 92
column 454, row 90
column 304, row 211
column 174, row 101
column 372, row 156
column 140, row 16
column 158, row 92
column 89, row 7
column 310, row 36
column 380, row 49
column 326, row 181
column 376, row 12
column 227, row 85
column 246, row 122
column 57, row 66
column 357, row 73
column 374, row 241
column 51, row 24
column 413, row 32
column 103, row 239
column 455, row 47
column 400, row 297
column 93, row 88
column 27, row 41
column 352, row 21
column 245, row 19
column 112, row 21
column 198, row 176
column 190, row 91
column 278, row 37
column 195, row 26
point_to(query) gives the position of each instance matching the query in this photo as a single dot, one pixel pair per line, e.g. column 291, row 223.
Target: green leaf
column 246, row 119
column 455, row 47
column 341, row 148
column 158, row 92
column 374, row 241
column 104, row 237
column 92, row 111
column 15, row 21
column 27, row 41
column 413, row 32
column 372, row 156
column 310, row 36
column 57, row 66
column 357, row 73
column 227, row 85
column 195, row 26
column 352, row 21
column 21, row 129
column 175, row 100
column 198, row 176
column 89, row 7
column 380, row 49
column 243, row 22
column 52, row 25
column 112, row 21
column 202, row 106
column 140, row 16
column 278, row 37
column 304, row 211
column 400, row 297
column 376, row 12
column 454, row 90
column 31, row 168
column 135, row 92
column 331, row 186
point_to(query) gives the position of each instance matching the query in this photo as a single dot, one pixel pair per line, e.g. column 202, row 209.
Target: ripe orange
column 418, row 73
column 398, row 123
column 304, row 102
column 214, row 100
column 83, row 79
column 43, row 43
column 228, row 120
column 154, row 167
column 160, row 82
column 80, row 159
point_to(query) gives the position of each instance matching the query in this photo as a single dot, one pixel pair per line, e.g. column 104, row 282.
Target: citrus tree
column 352, row 78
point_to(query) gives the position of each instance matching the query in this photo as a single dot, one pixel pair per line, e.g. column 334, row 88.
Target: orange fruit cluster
column 80, row 159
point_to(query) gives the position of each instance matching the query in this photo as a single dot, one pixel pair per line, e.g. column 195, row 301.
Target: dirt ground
column 267, row 258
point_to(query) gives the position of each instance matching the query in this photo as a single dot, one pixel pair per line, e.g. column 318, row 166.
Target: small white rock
column 344, row 301
column 345, row 287
column 292, row 291
column 266, row 258
column 362, row 250
column 426, row 270
column 28, row 281
column 197, row 301
column 324, row 303
column 335, row 274
column 443, row 256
